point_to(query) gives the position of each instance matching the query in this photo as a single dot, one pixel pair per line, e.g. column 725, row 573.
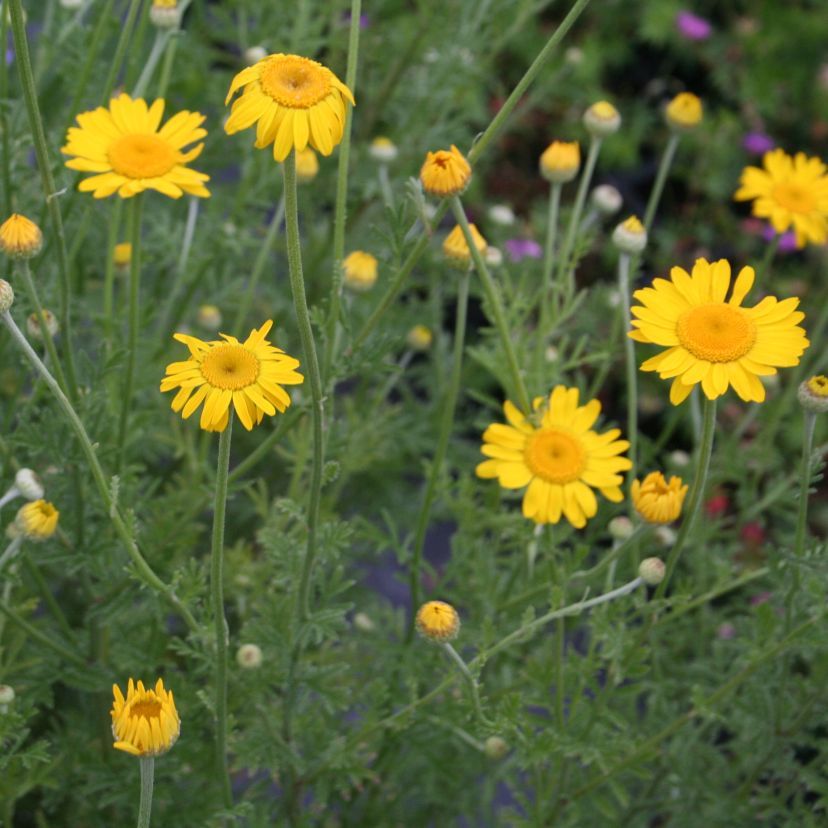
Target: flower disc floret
column 146, row 722
column 248, row 374
column 295, row 102
column 789, row 192
column 445, row 173
column 656, row 499
column 557, row 456
column 129, row 151
column 712, row 341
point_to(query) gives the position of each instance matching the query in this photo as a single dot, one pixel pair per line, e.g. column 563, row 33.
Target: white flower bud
column 363, row 622
column 679, row 459
column 501, row 214
column 602, row 119
column 651, row 571
column 621, row 527
column 495, row 747
column 249, row 656
column 630, row 236
column 665, row 536
column 253, row 54
column 33, row 325
column 165, row 14
column 383, row 149
column 6, row 296
column 6, row 697
column 493, row 256
column 606, row 199
column 813, row 394
column 28, row 484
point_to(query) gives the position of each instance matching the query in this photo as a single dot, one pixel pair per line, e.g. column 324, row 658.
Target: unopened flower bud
column 28, row 484
column 20, row 237
column 249, row 656
column 621, row 528
column 501, row 214
column 493, row 256
column 630, row 236
column 685, row 112
column 165, row 14
column 33, row 324
column 651, row 571
column 6, row 296
column 437, row 621
column 6, row 697
column 560, row 161
column 456, row 250
column 383, row 149
column 419, row 338
column 363, row 622
column 253, row 54
column 679, row 458
column 360, row 271
column 665, row 536
column 606, row 199
column 209, row 316
column 602, row 119
column 122, row 255
column 813, row 394
column 71, row 5
column 495, row 747
column 37, row 520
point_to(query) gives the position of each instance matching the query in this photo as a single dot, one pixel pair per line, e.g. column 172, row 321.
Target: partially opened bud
column 560, row 161
column 20, row 237
column 33, row 324
column 165, row 14
column 445, row 173
column 602, row 119
column 630, row 236
column 383, row 149
column 437, row 621
column 813, row 394
column 684, row 113
column 651, row 571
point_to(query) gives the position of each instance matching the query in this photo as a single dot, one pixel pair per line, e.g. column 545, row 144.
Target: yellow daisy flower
column 437, row 621
column 789, row 191
column 145, row 723
column 711, row 341
column 560, row 460
column 294, row 102
column 125, row 147
column 249, row 374
column 656, row 500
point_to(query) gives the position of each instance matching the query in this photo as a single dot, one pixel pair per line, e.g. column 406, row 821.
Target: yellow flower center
column 295, row 82
column 555, row 455
column 148, row 708
column 142, row 156
column 716, row 332
column 794, row 197
column 230, row 367
column 818, row 385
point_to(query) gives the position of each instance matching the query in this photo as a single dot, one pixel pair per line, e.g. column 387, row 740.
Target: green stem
column 4, row 120
column 661, row 178
column 629, row 355
column 523, row 84
column 651, row 744
column 311, row 365
column 764, row 268
column 120, row 49
column 496, row 305
column 447, row 420
column 24, row 66
column 143, row 569
column 335, row 303
column 805, row 483
column 134, row 225
column 285, row 423
column 219, row 622
column 109, row 272
column 470, row 679
column 42, row 638
column 162, row 37
column 548, row 266
column 48, row 341
column 46, row 593
column 259, row 264
column 696, row 492
column 147, row 779
column 566, row 270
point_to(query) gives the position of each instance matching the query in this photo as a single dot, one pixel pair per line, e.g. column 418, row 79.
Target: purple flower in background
column 9, row 56
column 787, row 241
column 522, row 249
column 758, row 143
column 364, row 20
column 692, row 27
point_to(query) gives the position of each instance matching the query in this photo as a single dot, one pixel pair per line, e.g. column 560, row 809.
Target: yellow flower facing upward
column 248, row 374
column 685, row 111
column 445, row 173
column 813, row 394
column 122, row 254
column 294, row 102
column 360, row 271
column 789, row 191
column 437, row 621
column 558, row 457
column 560, row 161
column 456, row 249
column 145, row 723
column 602, row 119
column 307, row 165
column 656, row 500
column 419, row 338
column 37, row 520
column 20, row 237
column 128, row 153
column 713, row 342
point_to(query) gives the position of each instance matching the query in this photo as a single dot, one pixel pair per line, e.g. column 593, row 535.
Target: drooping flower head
column 248, row 374
column 711, row 341
column 789, row 192
column 445, row 173
column 145, row 723
column 437, row 621
column 656, row 500
column 128, row 153
column 557, row 456
column 457, row 250
column 20, row 237
column 37, row 520
column 295, row 102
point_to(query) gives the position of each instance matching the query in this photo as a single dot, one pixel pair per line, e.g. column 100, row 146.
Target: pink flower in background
column 758, row 143
column 787, row 241
column 692, row 27
column 726, row 631
column 518, row 249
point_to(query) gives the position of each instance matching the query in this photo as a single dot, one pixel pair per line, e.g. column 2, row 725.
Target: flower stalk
column 629, row 359
column 470, row 680
column 147, row 764
column 661, row 179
